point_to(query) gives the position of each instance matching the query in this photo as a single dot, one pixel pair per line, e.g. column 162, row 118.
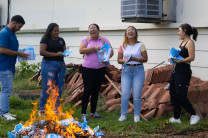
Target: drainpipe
column 8, row 11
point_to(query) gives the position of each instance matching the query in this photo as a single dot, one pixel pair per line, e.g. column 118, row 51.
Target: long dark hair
column 189, row 30
column 49, row 29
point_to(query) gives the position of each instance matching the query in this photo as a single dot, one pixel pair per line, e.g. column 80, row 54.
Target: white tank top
column 134, row 50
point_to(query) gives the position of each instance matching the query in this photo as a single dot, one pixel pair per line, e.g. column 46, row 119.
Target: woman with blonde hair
column 133, row 53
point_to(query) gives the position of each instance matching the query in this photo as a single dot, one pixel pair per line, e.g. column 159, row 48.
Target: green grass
column 19, row 107
column 155, row 127
column 110, row 124
column 20, row 82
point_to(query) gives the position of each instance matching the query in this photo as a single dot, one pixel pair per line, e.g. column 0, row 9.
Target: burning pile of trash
column 53, row 124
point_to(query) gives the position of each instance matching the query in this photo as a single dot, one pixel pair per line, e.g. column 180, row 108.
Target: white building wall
column 3, row 12
column 74, row 16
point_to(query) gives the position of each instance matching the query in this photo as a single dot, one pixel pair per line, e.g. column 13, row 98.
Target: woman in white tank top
column 132, row 54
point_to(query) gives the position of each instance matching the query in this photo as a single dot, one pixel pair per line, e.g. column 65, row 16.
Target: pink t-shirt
column 91, row 59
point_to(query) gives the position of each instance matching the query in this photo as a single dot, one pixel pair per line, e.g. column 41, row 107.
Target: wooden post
column 106, row 76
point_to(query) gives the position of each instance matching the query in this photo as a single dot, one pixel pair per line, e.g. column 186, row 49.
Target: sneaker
column 12, row 114
column 84, row 117
column 122, row 118
column 194, row 119
column 136, row 118
column 95, row 115
column 173, row 120
column 8, row 116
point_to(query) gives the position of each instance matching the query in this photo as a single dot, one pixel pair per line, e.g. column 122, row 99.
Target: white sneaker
column 136, row 118
column 173, row 120
column 8, row 116
column 12, row 114
column 194, row 119
column 122, row 118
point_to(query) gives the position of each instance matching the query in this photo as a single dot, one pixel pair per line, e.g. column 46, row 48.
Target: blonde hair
column 125, row 42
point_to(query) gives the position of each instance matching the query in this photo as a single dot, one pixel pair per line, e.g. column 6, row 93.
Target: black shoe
column 95, row 115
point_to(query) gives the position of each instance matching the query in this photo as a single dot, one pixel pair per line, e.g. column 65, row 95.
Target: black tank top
column 184, row 51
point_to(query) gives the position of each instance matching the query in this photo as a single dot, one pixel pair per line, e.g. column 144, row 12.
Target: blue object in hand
column 67, row 52
column 174, row 54
column 104, row 53
column 30, row 51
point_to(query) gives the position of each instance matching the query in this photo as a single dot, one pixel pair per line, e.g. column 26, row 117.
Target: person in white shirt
column 133, row 53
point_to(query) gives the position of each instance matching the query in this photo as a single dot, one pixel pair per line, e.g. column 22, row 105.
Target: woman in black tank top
column 181, row 75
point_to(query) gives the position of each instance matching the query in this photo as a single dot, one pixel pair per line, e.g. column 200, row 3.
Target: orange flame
column 53, row 117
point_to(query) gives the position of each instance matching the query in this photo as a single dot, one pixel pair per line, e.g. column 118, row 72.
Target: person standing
column 92, row 70
column 132, row 77
column 181, row 75
column 53, row 66
column 8, row 54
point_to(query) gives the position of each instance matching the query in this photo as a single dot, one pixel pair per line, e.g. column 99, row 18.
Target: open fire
column 53, row 124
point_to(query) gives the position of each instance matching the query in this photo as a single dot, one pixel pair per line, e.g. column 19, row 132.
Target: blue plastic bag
column 10, row 135
column 177, row 58
column 174, row 54
column 99, row 134
column 67, row 52
column 30, row 51
column 104, row 53
column 18, row 127
column 52, row 135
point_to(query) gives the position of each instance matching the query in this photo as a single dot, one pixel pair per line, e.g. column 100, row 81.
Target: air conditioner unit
column 143, row 11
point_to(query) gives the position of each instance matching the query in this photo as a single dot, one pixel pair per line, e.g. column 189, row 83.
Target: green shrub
column 26, row 68
column 18, row 103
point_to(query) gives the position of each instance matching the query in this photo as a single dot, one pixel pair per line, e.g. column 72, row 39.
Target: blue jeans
column 54, row 71
column 6, row 80
column 132, row 78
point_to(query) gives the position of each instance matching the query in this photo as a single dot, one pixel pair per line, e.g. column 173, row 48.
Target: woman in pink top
column 93, row 71
column 133, row 53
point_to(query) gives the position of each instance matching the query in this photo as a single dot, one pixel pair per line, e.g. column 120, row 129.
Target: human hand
column 97, row 48
column 125, row 60
column 169, row 59
column 134, row 59
column 102, row 61
column 59, row 53
column 23, row 55
column 176, row 61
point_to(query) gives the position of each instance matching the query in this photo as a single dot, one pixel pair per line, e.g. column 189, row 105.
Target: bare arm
column 112, row 53
column 44, row 52
column 191, row 51
column 9, row 52
column 120, row 58
column 65, row 47
column 84, row 50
